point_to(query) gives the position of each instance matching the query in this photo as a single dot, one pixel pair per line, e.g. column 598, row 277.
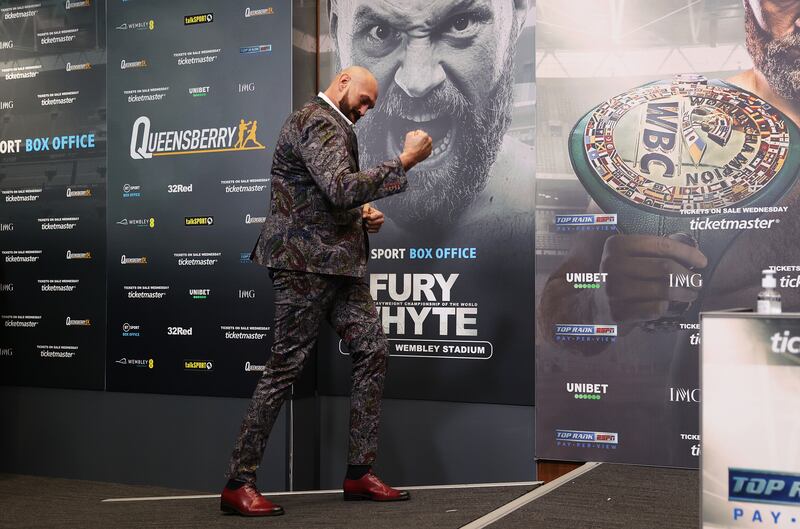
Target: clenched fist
column 417, row 147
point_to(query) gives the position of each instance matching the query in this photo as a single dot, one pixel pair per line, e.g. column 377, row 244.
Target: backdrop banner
column 665, row 185
column 52, row 194
column 197, row 94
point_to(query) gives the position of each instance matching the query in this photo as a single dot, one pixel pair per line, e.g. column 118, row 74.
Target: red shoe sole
column 353, row 496
column 227, row 509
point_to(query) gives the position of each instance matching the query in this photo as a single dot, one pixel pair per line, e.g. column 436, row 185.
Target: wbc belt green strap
column 674, row 156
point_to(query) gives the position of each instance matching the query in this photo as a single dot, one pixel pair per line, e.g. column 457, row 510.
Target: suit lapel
column 352, row 140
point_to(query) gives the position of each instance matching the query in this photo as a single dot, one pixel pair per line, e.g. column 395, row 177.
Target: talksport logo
column 586, row 280
column 585, row 333
column 197, row 365
column 145, row 143
column 583, row 439
column 198, row 221
column 587, row 222
column 191, row 20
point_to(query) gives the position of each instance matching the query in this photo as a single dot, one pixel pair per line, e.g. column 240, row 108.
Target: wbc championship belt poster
column 665, row 185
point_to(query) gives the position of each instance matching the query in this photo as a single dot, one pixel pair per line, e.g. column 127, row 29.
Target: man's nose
column 420, row 72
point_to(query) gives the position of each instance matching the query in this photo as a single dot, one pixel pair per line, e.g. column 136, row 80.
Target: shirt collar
column 325, row 98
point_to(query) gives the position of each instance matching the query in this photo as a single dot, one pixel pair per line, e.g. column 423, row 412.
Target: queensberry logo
column 585, row 333
column 762, row 486
column 260, row 48
column 146, row 143
column 583, row 439
column 596, row 222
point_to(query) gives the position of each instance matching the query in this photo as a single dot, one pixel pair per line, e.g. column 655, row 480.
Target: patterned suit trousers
column 302, row 301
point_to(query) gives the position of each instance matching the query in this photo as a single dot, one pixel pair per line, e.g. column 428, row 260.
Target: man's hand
column 639, row 267
column 373, row 219
column 417, row 147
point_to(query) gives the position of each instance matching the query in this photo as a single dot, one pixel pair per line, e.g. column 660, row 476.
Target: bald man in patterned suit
column 315, row 243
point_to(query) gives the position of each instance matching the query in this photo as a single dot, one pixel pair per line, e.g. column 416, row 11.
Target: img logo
column 588, row 222
column 565, row 332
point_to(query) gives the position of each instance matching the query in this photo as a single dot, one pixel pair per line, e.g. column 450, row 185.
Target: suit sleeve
column 323, row 148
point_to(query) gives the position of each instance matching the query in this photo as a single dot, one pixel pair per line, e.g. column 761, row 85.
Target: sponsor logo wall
column 189, row 160
column 52, row 194
column 663, row 190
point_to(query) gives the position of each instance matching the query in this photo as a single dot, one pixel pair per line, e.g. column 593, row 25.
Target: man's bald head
column 354, row 90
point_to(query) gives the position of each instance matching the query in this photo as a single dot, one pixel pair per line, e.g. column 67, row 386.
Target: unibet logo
column 586, row 280
column 198, row 221
column 199, row 91
column 587, row 391
column 199, row 293
column 179, row 331
column 145, row 143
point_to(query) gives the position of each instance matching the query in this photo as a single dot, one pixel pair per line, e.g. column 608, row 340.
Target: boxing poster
column 669, row 146
column 451, row 270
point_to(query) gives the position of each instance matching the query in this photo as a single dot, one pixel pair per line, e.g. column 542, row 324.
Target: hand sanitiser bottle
column 769, row 299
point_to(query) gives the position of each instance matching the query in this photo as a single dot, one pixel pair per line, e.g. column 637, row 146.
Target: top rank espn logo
column 585, row 333
column 588, row 222
column 763, row 486
column 191, row 20
column 583, row 439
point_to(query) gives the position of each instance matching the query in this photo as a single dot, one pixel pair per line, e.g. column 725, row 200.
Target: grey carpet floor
column 39, row 502
column 615, row 497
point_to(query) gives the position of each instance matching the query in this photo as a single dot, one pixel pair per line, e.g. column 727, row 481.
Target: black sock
column 357, row 471
column 234, row 484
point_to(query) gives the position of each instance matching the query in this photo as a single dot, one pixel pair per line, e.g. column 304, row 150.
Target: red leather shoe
column 247, row 501
column 370, row 487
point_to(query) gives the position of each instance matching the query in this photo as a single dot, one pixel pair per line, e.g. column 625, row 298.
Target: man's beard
column 470, row 134
column 776, row 58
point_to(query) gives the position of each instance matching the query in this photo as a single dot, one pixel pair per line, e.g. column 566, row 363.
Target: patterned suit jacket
column 315, row 221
